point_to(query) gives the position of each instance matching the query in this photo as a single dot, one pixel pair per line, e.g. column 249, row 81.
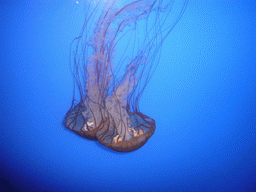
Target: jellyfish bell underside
column 112, row 62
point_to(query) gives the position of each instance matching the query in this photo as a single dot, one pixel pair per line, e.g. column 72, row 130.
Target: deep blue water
column 202, row 97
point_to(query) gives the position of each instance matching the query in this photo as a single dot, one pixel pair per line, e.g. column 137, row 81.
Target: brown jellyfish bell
column 112, row 62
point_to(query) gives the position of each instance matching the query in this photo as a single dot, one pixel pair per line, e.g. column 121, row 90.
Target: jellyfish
column 112, row 61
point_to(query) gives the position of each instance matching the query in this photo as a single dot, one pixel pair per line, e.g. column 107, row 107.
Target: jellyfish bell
column 112, row 61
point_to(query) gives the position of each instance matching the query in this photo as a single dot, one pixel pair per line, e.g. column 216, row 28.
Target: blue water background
column 202, row 97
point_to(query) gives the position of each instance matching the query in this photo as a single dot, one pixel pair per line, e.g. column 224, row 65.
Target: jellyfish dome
column 112, row 61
